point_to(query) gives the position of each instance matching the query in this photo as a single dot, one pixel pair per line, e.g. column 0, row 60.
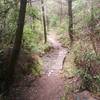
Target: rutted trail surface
column 53, row 61
column 50, row 86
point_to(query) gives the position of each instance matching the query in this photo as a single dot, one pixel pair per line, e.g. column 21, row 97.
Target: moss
column 37, row 67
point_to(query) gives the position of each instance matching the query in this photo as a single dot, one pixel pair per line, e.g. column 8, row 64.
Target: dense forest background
column 24, row 29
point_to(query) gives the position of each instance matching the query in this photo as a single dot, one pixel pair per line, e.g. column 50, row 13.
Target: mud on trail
column 50, row 86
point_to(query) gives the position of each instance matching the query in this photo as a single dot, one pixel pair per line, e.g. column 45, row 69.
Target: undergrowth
column 82, row 68
column 88, row 65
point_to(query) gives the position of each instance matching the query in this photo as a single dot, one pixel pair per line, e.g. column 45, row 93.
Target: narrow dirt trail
column 52, row 82
column 50, row 86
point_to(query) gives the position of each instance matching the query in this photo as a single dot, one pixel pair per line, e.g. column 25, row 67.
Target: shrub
column 89, row 67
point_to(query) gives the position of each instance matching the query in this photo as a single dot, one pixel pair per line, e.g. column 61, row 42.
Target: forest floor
column 51, row 84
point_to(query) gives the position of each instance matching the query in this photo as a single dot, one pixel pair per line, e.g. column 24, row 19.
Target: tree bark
column 92, row 28
column 17, row 43
column 61, row 12
column 44, row 21
column 70, row 14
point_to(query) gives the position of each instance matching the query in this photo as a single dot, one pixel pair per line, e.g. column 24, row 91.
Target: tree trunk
column 92, row 28
column 70, row 28
column 17, row 43
column 30, row 2
column 44, row 21
column 61, row 12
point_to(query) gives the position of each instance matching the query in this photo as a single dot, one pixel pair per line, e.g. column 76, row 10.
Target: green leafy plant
column 88, row 63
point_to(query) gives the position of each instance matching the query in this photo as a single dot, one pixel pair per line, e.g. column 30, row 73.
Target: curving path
column 51, row 84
